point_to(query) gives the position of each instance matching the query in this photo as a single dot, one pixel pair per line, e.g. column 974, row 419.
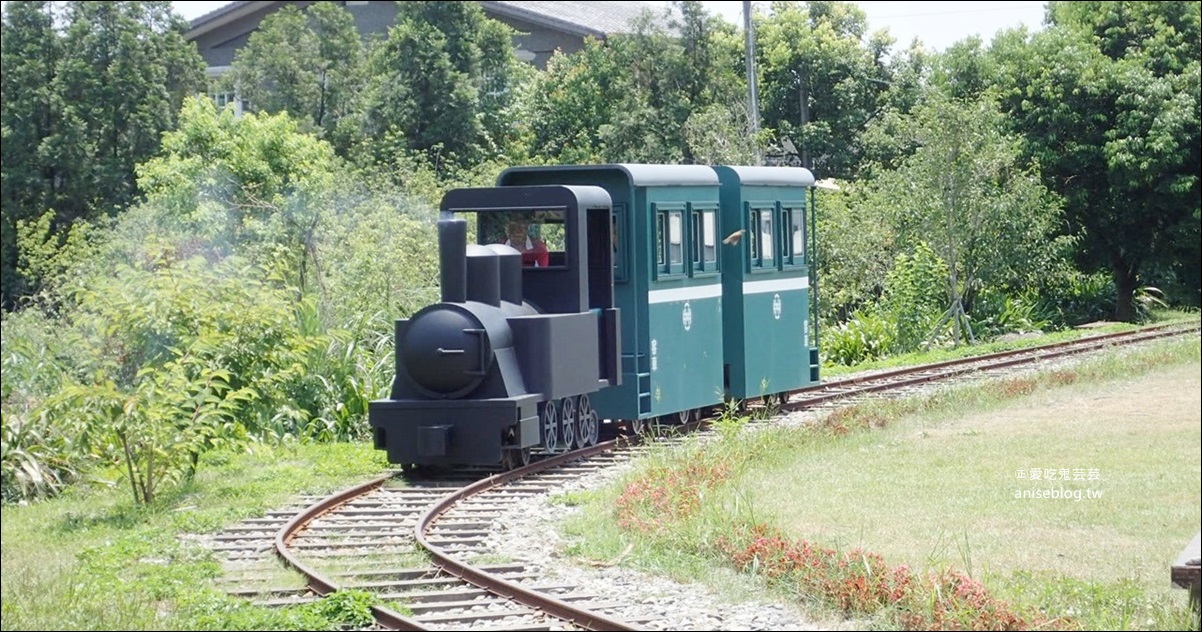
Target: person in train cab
column 534, row 251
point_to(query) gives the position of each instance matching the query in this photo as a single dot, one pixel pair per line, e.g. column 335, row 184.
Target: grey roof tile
column 598, row 17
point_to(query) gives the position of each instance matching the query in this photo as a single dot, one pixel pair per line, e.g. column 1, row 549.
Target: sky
column 937, row 24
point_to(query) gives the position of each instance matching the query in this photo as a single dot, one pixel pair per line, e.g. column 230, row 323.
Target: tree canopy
column 88, row 88
column 1108, row 102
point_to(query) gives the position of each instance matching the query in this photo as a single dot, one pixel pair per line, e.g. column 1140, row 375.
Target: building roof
column 579, row 18
column 597, row 19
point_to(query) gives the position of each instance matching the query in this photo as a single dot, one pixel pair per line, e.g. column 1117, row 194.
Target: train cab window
column 705, row 230
column 537, row 234
column 670, row 242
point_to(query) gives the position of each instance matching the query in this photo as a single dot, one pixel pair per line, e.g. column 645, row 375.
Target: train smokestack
column 452, row 253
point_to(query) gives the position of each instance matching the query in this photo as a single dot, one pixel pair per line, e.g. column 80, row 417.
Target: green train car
column 712, row 279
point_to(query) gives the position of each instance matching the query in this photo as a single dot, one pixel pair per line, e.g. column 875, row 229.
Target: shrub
column 915, row 297
column 1074, row 298
column 996, row 312
column 866, row 336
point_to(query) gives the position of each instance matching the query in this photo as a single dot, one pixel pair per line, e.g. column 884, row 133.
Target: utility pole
column 753, row 104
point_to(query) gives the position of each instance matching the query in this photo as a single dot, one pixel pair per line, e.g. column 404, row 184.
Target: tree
column 653, row 95
column 252, row 184
column 428, row 78
column 820, row 84
column 1108, row 99
column 30, row 52
column 966, row 193
column 308, row 63
column 100, row 110
column 120, row 89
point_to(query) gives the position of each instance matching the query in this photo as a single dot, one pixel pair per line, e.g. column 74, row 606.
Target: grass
column 879, row 489
column 952, row 481
column 931, row 484
column 89, row 560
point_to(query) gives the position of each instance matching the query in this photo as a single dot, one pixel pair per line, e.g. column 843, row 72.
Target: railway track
column 984, row 366
column 425, row 547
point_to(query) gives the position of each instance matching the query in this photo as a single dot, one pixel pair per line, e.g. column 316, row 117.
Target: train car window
column 709, row 255
column 767, row 238
column 661, row 236
column 618, row 236
column 695, row 226
column 762, row 237
column 753, row 237
column 705, row 229
column 675, row 242
column 537, row 234
column 794, row 218
column 670, row 242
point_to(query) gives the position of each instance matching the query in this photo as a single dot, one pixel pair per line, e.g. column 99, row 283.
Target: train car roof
column 659, row 175
column 772, row 176
column 641, row 175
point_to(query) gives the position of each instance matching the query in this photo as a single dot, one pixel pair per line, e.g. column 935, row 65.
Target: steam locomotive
column 601, row 294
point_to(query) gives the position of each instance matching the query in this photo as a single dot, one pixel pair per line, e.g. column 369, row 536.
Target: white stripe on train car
column 775, row 285
column 692, row 293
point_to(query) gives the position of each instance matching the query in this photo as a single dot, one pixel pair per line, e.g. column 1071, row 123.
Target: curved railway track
column 421, row 545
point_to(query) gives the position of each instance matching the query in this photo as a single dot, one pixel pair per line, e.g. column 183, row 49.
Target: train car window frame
column 793, row 241
column 669, row 224
column 755, row 214
column 703, row 235
column 619, row 237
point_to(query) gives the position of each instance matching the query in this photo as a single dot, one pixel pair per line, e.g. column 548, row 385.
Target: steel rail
column 577, row 616
column 961, row 366
column 318, row 582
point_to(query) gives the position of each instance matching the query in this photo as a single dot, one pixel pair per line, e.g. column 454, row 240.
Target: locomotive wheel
column 550, row 427
column 589, row 425
column 515, row 458
column 567, row 423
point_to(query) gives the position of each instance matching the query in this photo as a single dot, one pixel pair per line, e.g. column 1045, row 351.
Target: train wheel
column 514, row 458
column 638, row 426
column 590, row 427
column 672, row 419
column 550, row 420
column 775, row 400
column 567, row 423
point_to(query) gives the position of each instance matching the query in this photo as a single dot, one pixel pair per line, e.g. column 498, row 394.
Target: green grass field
column 945, row 488
column 938, row 487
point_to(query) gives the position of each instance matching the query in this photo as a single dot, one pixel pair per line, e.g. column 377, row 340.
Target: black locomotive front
column 482, row 374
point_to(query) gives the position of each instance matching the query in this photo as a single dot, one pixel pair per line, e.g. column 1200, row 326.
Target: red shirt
column 534, row 252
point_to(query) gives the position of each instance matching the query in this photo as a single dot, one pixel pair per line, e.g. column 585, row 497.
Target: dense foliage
column 88, row 87
column 1107, row 100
